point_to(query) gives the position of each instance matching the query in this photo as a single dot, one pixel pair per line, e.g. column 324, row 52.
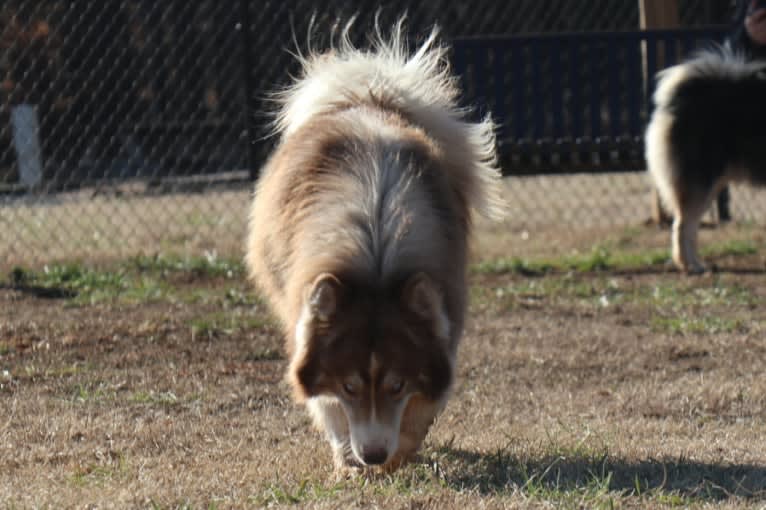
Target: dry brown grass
column 629, row 387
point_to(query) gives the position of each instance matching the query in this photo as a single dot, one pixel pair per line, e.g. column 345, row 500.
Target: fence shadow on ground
column 40, row 291
column 671, row 271
column 723, row 268
column 498, row 471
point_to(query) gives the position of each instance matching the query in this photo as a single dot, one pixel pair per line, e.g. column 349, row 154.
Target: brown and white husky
column 358, row 239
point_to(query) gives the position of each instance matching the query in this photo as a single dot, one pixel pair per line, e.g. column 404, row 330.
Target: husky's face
column 374, row 408
column 372, row 350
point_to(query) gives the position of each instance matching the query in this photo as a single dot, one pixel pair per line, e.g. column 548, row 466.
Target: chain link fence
column 137, row 126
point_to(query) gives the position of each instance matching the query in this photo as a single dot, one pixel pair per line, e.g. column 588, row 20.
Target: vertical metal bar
column 518, row 81
column 537, row 87
column 458, row 60
column 633, row 57
column 671, row 50
column 688, row 44
column 480, row 78
column 499, row 115
column 595, row 91
column 557, row 88
column 467, row 87
column 250, row 97
column 576, row 106
column 651, row 68
column 614, row 87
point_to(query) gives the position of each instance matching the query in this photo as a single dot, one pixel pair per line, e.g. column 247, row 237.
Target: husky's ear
column 422, row 296
column 305, row 373
column 322, row 297
column 436, row 378
column 320, row 304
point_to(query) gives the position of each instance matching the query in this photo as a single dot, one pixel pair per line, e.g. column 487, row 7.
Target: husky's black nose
column 374, row 456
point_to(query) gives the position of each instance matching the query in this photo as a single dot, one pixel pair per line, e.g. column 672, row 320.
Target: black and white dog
column 708, row 129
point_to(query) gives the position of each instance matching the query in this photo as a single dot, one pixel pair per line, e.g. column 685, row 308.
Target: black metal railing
column 124, row 89
column 575, row 101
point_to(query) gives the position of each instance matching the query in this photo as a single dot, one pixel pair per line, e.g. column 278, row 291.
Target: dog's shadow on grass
column 491, row 473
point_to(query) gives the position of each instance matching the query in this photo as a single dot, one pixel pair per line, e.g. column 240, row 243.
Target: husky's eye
column 349, row 388
column 396, row 387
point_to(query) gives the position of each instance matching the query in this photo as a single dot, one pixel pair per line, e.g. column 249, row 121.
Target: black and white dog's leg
column 691, row 206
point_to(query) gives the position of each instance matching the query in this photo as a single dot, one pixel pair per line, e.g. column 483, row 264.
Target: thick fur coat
column 358, row 239
column 708, row 128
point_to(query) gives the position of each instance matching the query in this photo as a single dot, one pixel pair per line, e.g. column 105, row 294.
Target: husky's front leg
column 418, row 417
column 329, row 417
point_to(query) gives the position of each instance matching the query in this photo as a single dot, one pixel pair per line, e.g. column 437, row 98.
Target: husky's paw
column 688, row 266
column 399, row 460
column 694, row 268
column 346, row 466
column 348, row 472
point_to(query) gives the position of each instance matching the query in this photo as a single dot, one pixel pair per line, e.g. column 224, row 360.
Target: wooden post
column 657, row 14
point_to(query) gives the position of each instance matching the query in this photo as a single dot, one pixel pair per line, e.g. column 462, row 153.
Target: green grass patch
column 33, row 371
column 161, row 398
column 670, row 296
column 77, row 282
column 306, row 491
column 209, row 265
column 182, row 505
column 113, row 467
column 409, row 480
column 733, row 248
column 418, row 479
column 514, row 265
column 678, row 294
column 578, row 475
column 630, row 236
column 637, row 260
column 217, row 324
column 593, row 492
column 703, row 325
column 143, row 279
column 620, row 254
column 83, row 393
column 235, row 296
column 536, row 291
column 600, row 258
column 145, row 289
column 71, row 280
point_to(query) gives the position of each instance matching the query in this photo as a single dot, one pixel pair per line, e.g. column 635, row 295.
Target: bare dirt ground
column 628, row 387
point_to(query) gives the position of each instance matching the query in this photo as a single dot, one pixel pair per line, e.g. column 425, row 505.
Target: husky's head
column 372, row 349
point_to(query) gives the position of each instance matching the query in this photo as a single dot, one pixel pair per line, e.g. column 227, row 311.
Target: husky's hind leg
column 684, row 181
column 660, row 216
column 691, row 205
